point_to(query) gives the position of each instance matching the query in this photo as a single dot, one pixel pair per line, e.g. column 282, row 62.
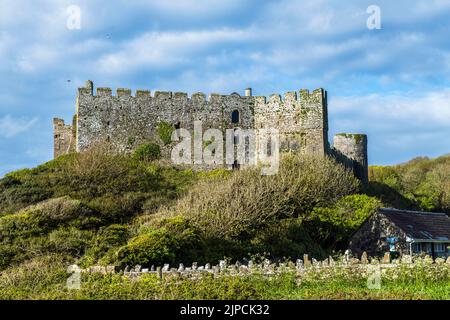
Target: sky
column 392, row 83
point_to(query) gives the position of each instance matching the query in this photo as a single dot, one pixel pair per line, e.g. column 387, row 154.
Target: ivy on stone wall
column 165, row 131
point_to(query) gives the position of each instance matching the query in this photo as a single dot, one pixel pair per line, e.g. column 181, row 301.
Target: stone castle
column 126, row 121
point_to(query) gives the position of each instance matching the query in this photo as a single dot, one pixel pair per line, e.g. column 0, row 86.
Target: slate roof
column 420, row 225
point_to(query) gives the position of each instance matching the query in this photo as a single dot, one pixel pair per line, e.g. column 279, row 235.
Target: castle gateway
column 126, row 121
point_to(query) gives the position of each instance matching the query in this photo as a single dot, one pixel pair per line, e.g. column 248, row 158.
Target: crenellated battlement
column 302, row 95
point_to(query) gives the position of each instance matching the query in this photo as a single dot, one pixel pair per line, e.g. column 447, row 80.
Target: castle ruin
column 127, row 121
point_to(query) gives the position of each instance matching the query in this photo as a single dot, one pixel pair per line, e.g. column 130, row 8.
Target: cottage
column 403, row 232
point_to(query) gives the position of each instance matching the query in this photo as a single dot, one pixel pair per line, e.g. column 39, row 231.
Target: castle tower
column 354, row 148
column 63, row 139
column 313, row 122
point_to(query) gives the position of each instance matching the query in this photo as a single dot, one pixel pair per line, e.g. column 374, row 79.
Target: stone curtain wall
column 126, row 121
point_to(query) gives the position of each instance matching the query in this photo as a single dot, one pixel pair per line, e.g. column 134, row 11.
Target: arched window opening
column 235, row 116
column 269, row 147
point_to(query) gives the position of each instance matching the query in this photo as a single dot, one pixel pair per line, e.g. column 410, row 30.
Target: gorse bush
column 168, row 243
column 247, row 200
column 75, row 198
column 242, row 212
column 147, row 152
column 42, row 217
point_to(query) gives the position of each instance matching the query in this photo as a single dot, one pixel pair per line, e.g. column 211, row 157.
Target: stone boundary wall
column 267, row 268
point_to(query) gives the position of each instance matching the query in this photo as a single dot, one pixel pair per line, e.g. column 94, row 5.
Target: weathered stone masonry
column 126, row 121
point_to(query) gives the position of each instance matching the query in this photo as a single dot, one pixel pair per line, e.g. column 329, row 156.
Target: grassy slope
column 96, row 208
column 35, row 280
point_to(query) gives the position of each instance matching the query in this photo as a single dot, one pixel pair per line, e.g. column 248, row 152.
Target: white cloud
column 429, row 110
column 167, row 49
column 192, row 7
column 11, row 127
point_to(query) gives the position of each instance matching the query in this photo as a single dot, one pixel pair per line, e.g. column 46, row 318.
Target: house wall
column 372, row 237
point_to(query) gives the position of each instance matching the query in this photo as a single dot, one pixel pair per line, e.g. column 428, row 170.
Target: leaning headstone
column 299, row 264
column 386, row 258
column 347, row 255
column 181, row 267
column 207, row 266
column 291, row 265
column 159, row 272
column 331, row 261
column 194, row 265
column 174, row 273
column 324, row 263
column 306, row 261
column 243, row 269
column 315, row 262
column 166, row 267
column 448, row 260
column 127, row 269
column 364, row 259
column 238, row 264
column 137, row 268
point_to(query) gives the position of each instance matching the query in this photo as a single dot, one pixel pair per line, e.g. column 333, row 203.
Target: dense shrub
column 287, row 238
column 42, row 217
column 71, row 241
column 118, row 208
column 170, row 243
column 421, row 183
column 247, row 200
column 147, row 152
column 331, row 227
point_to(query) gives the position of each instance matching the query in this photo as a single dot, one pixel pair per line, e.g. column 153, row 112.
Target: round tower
column 354, row 148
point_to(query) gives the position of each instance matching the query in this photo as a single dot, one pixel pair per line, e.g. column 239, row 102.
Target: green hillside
column 420, row 184
column 96, row 208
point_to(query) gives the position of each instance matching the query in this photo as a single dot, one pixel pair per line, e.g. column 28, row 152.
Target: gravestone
column 306, row 261
column 386, row 258
column 364, row 259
